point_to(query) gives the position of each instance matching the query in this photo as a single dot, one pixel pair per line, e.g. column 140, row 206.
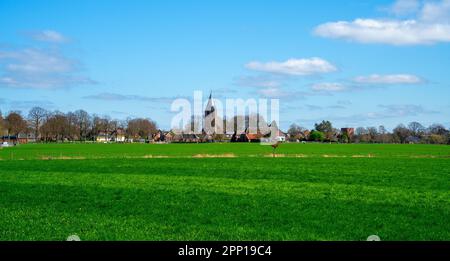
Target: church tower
column 209, row 123
column 210, row 106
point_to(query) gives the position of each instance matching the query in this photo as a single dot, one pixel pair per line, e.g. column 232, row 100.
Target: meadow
column 224, row 192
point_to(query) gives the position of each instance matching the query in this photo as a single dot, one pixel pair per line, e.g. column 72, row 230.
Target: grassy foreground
column 101, row 151
column 224, row 192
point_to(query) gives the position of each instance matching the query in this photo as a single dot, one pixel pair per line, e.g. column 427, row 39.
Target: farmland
column 224, row 192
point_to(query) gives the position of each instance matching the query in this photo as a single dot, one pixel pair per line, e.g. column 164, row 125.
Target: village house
column 160, row 136
column 169, row 136
column 102, row 137
column 246, row 136
column 10, row 139
column 186, row 138
column 280, row 136
column 118, row 135
column 22, row 138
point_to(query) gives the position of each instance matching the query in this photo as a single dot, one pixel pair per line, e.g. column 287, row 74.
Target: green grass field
column 224, row 192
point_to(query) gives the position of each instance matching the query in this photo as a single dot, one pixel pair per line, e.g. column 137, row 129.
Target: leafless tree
column 437, row 129
column 141, row 128
column 362, row 135
column 82, row 119
column 73, row 131
column 15, row 123
column 100, row 125
column 401, row 133
column 57, row 128
column 36, row 117
column 372, row 134
column 2, row 124
column 416, row 129
column 383, row 135
column 296, row 132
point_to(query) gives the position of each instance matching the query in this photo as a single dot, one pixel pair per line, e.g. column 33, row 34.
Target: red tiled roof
column 254, row 136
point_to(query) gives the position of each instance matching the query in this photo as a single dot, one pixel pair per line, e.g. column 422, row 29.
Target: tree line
column 414, row 132
column 48, row 126
column 79, row 125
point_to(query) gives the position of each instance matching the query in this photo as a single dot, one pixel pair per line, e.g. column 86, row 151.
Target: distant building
column 246, row 136
column 169, row 136
column 118, row 135
column 186, row 138
column 279, row 135
column 31, row 137
column 102, row 137
column 22, row 138
column 210, row 119
column 10, row 139
column 252, row 137
column 160, row 136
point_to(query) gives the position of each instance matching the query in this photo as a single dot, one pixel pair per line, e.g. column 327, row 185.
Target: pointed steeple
column 210, row 106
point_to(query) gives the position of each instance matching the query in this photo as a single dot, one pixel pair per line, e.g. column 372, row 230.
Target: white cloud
column 273, row 93
column 49, row 36
column 403, row 110
column 294, row 66
column 432, row 26
column 108, row 96
column 389, row 79
column 26, row 104
column 38, row 68
column 329, row 87
column 257, row 81
column 36, row 61
column 278, row 93
column 436, row 11
column 391, row 111
column 407, row 32
column 403, row 7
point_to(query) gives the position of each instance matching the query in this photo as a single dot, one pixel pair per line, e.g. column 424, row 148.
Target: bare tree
column 416, row 129
column 100, row 125
column 296, row 132
column 141, row 128
column 82, row 119
column 362, row 134
column 56, row 127
column 2, row 124
column 401, row 133
column 437, row 129
column 113, row 125
column 36, row 116
column 73, row 131
column 437, row 134
column 15, row 123
column 383, row 135
column 372, row 133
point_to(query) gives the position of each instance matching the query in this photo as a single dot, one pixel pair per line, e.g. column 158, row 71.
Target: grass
column 97, row 151
column 116, row 192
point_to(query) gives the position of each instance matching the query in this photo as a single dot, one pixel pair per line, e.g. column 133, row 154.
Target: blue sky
column 356, row 63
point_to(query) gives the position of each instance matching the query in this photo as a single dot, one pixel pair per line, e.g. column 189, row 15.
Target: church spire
column 210, row 106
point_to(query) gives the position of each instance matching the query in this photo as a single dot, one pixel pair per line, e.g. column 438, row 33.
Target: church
column 210, row 127
column 214, row 129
